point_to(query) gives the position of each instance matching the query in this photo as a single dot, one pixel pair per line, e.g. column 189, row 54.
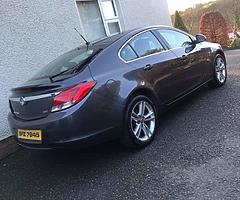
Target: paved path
column 196, row 155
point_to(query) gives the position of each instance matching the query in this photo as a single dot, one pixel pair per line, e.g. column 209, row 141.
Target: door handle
column 148, row 67
column 184, row 57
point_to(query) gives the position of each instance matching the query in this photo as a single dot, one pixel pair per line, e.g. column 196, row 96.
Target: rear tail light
column 71, row 96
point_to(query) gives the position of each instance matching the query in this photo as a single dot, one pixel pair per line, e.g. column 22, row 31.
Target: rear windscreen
column 76, row 58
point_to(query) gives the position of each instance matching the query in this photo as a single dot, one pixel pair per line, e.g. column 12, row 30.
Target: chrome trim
column 154, row 28
column 119, row 51
column 32, row 98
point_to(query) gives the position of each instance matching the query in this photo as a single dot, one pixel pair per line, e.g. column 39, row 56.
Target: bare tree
column 236, row 18
column 190, row 20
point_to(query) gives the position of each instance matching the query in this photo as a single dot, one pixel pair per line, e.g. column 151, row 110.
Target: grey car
column 115, row 88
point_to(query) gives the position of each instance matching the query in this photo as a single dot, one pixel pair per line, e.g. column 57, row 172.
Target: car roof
column 105, row 42
column 110, row 40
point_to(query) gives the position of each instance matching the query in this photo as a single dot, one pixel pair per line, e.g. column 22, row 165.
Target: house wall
column 138, row 13
column 34, row 32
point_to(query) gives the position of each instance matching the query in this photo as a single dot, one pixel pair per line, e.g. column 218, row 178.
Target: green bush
column 235, row 44
column 178, row 22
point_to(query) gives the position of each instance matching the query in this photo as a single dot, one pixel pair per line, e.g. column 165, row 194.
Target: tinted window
column 76, row 58
column 146, row 44
column 176, row 39
column 127, row 53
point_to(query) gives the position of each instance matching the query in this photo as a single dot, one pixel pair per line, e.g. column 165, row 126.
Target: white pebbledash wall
column 138, row 13
column 32, row 33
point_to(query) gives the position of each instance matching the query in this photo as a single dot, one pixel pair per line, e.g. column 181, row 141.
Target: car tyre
column 219, row 71
column 141, row 122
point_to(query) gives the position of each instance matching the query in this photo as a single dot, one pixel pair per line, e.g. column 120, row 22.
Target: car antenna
column 86, row 42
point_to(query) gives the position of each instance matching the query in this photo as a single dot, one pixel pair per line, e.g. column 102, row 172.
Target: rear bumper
column 91, row 140
column 76, row 126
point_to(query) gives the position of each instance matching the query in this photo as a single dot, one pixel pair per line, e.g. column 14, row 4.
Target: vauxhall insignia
column 22, row 101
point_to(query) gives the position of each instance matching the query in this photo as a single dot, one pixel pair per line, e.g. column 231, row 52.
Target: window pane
column 113, row 28
column 175, row 39
column 91, row 19
column 127, row 53
column 108, row 8
column 146, row 44
column 77, row 57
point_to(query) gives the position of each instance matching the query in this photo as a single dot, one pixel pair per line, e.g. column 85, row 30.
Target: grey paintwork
column 102, row 112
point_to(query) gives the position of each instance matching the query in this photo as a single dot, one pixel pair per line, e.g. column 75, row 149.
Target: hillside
column 230, row 10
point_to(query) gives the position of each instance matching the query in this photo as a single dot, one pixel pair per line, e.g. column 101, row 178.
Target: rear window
column 76, row 58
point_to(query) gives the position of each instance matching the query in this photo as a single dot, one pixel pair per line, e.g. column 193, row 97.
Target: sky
column 183, row 4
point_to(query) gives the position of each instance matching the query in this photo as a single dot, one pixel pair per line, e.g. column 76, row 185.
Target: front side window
column 175, row 39
column 146, row 44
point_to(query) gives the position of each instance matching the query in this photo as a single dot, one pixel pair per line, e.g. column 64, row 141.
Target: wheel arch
column 149, row 93
column 219, row 51
column 143, row 91
column 146, row 92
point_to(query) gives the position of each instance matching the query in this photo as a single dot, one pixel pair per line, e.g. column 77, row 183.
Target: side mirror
column 201, row 38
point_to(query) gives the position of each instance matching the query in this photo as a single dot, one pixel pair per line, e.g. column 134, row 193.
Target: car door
column 192, row 58
column 155, row 66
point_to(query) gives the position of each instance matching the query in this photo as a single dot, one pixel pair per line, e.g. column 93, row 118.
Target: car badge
column 22, row 101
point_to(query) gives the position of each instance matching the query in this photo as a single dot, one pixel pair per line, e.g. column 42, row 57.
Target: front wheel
column 220, row 71
column 140, row 122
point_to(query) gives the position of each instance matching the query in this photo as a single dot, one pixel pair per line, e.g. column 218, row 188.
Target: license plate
column 33, row 135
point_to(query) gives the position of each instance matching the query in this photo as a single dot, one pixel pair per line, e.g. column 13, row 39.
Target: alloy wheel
column 220, row 68
column 143, row 120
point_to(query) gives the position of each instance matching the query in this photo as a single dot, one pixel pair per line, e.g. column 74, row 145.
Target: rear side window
column 127, row 53
column 146, row 44
column 175, row 39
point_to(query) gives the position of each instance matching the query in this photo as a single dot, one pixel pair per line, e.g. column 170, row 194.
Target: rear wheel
column 220, row 71
column 140, row 122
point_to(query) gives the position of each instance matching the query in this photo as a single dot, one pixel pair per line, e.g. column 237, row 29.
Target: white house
column 34, row 32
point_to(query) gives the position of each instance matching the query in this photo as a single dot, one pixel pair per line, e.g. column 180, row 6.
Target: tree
column 230, row 9
column 178, row 22
column 189, row 18
column 236, row 18
column 214, row 26
column 235, row 44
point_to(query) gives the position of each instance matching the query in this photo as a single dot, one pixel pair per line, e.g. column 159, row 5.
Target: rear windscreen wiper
column 65, row 71
column 77, row 67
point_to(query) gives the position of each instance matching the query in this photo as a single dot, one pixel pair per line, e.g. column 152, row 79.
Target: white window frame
column 112, row 20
